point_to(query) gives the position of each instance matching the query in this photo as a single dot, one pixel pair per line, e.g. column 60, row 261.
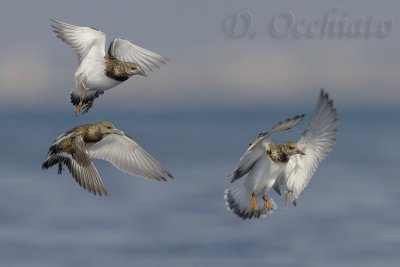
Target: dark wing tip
column 164, row 177
column 294, row 118
column 236, row 175
column 100, row 193
column 324, row 93
column 297, row 118
column 300, row 116
column 45, row 165
column 260, row 135
column 53, row 20
column 49, row 163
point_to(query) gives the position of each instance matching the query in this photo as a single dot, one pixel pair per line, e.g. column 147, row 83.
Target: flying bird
column 97, row 70
column 286, row 167
column 76, row 147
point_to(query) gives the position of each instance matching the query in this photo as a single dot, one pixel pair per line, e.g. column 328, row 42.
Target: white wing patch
column 126, row 155
column 316, row 142
column 125, row 51
column 81, row 39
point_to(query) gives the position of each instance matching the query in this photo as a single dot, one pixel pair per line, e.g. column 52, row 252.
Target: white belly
column 263, row 175
column 90, row 75
column 98, row 81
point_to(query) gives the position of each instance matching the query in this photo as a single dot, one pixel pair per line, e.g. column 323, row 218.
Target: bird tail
column 239, row 199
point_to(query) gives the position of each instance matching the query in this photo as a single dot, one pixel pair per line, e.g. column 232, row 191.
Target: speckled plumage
column 101, row 140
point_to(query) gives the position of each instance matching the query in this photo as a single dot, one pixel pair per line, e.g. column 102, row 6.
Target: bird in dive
column 98, row 71
column 286, row 167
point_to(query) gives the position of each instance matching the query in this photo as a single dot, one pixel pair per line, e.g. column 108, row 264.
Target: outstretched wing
column 125, row 51
column 316, row 142
column 81, row 39
column 260, row 145
column 125, row 154
column 82, row 168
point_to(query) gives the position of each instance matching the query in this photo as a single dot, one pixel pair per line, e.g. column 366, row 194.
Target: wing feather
column 316, row 142
column 125, row 154
column 125, row 51
column 81, row 39
column 260, row 145
column 83, row 171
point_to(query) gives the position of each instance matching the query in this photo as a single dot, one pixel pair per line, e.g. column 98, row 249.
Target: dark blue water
column 347, row 216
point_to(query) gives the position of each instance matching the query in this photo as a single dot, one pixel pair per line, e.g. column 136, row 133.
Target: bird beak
column 117, row 131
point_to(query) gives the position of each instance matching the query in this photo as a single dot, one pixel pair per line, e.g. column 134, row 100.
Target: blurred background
column 236, row 68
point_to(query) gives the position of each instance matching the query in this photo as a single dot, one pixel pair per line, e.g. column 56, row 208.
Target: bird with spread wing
column 286, row 167
column 76, row 147
column 99, row 71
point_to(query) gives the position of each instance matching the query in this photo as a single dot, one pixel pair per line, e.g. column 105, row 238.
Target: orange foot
column 78, row 107
column 267, row 203
column 80, row 104
column 88, row 106
column 254, row 201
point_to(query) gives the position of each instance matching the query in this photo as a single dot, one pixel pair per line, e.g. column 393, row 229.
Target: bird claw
column 268, row 203
column 88, row 106
column 78, row 107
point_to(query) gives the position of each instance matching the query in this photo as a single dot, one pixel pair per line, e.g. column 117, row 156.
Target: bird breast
column 276, row 154
column 116, row 69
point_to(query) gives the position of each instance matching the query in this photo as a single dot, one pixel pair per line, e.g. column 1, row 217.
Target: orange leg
column 254, row 201
column 88, row 106
column 80, row 104
column 267, row 203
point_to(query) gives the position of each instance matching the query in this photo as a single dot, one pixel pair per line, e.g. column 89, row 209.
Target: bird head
column 290, row 148
column 106, row 127
column 134, row 69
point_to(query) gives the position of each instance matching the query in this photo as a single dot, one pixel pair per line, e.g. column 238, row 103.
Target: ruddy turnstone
column 101, row 140
column 97, row 70
column 288, row 166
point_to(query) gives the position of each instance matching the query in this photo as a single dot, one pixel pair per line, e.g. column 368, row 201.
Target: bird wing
column 125, row 154
column 82, row 168
column 316, row 142
column 260, row 145
column 81, row 39
column 125, row 51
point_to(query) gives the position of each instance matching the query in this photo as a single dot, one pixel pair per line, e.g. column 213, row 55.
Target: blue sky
column 207, row 70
